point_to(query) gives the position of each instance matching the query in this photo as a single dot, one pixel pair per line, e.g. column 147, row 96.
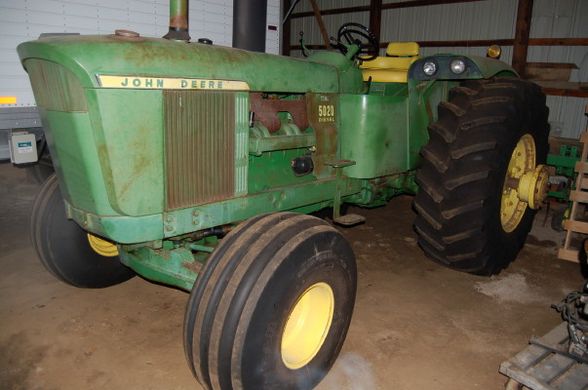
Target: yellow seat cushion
column 394, row 67
column 403, row 49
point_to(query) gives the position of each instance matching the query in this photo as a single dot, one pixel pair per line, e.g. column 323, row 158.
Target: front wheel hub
column 101, row 246
column 308, row 325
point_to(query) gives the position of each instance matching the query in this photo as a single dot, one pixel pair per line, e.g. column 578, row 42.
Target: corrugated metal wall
column 563, row 18
column 25, row 20
column 310, row 27
column 488, row 19
column 272, row 37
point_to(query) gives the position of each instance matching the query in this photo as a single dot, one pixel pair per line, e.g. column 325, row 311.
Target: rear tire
column 235, row 333
column 464, row 166
column 63, row 247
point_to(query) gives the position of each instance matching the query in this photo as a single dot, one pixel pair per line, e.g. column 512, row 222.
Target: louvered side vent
column 241, row 142
column 55, row 87
column 199, row 147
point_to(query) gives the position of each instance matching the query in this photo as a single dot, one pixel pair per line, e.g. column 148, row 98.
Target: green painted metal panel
column 121, row 229
column 423, row 99
column 490, row 67
column 287, row 198
column 175, row 267
column 131, row 230
column 476, row 68
column 563, row 161
column 350, row 76
column 274, row 170
column 71, row 141
column 373, row 133
column 259, row 145
column 55, row 87
column 85, row 56
column 129, row 141
column 106, row 159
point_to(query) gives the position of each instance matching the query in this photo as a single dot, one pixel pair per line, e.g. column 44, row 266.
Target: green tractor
column 197, row 166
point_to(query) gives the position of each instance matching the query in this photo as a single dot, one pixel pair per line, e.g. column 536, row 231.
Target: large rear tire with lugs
column 271, row 308
column 470, row 212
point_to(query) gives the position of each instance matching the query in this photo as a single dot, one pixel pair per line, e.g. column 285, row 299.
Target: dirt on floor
column 416, row 324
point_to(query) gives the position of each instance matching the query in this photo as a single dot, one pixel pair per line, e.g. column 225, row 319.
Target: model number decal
column 326, row 113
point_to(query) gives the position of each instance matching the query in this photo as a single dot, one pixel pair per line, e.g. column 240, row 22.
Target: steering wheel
column 358, row 34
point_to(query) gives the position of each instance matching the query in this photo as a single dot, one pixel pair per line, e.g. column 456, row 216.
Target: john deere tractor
column 198, row 166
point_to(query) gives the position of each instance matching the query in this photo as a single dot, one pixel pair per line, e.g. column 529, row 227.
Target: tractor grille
column 200, row 154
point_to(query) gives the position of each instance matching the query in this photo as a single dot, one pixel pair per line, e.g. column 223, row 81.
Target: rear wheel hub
column 525, row 184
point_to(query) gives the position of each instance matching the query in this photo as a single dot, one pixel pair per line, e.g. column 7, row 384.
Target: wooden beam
column 286, row 30
column 563, row 88
column 376, row 17
column 521, row 40
column 365, row 8
column 333, row 11
column 321, row 23
column 461, row 43
column 484, row 42
column 558, row 41
column 464, row 43
column 423, row 3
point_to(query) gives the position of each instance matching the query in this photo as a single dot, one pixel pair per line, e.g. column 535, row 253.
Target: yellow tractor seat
column 394, row 67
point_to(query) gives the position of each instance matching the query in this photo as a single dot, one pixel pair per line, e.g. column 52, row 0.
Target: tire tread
column 458, row 179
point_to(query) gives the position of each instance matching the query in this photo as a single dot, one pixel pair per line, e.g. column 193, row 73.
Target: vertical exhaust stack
column 178, row 21
column 249, row 24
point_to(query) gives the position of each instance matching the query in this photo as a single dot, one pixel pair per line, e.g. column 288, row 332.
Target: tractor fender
column 476, row 67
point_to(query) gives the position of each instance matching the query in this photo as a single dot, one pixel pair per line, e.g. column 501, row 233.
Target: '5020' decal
column 326, row 113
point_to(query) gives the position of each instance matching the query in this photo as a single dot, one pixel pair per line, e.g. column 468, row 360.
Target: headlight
column 457, row 66
column 494, row 51
column 429, row 68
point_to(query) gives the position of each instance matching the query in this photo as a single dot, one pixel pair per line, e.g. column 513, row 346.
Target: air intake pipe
column 178, row 21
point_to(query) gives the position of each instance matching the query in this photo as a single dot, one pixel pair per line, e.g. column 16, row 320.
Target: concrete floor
column 416, row 325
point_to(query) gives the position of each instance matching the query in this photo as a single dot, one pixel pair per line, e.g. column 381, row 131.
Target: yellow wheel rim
column 308, row 325
column 101, row 246
column 525, row 184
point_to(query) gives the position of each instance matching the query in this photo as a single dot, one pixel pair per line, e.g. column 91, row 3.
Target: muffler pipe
column 249, row 24
column 178, row 21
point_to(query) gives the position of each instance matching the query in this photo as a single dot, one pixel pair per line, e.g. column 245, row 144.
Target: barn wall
column 489, row 19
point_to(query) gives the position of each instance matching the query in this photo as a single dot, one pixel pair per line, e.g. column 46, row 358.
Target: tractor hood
column 90, row 57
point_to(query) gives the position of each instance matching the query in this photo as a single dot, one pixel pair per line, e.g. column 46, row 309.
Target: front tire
column 41, row 171
column 65, row 249
column 464, row 220
column 272, row 306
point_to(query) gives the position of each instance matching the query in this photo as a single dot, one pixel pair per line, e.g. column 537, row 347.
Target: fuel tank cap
column 126, row 33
